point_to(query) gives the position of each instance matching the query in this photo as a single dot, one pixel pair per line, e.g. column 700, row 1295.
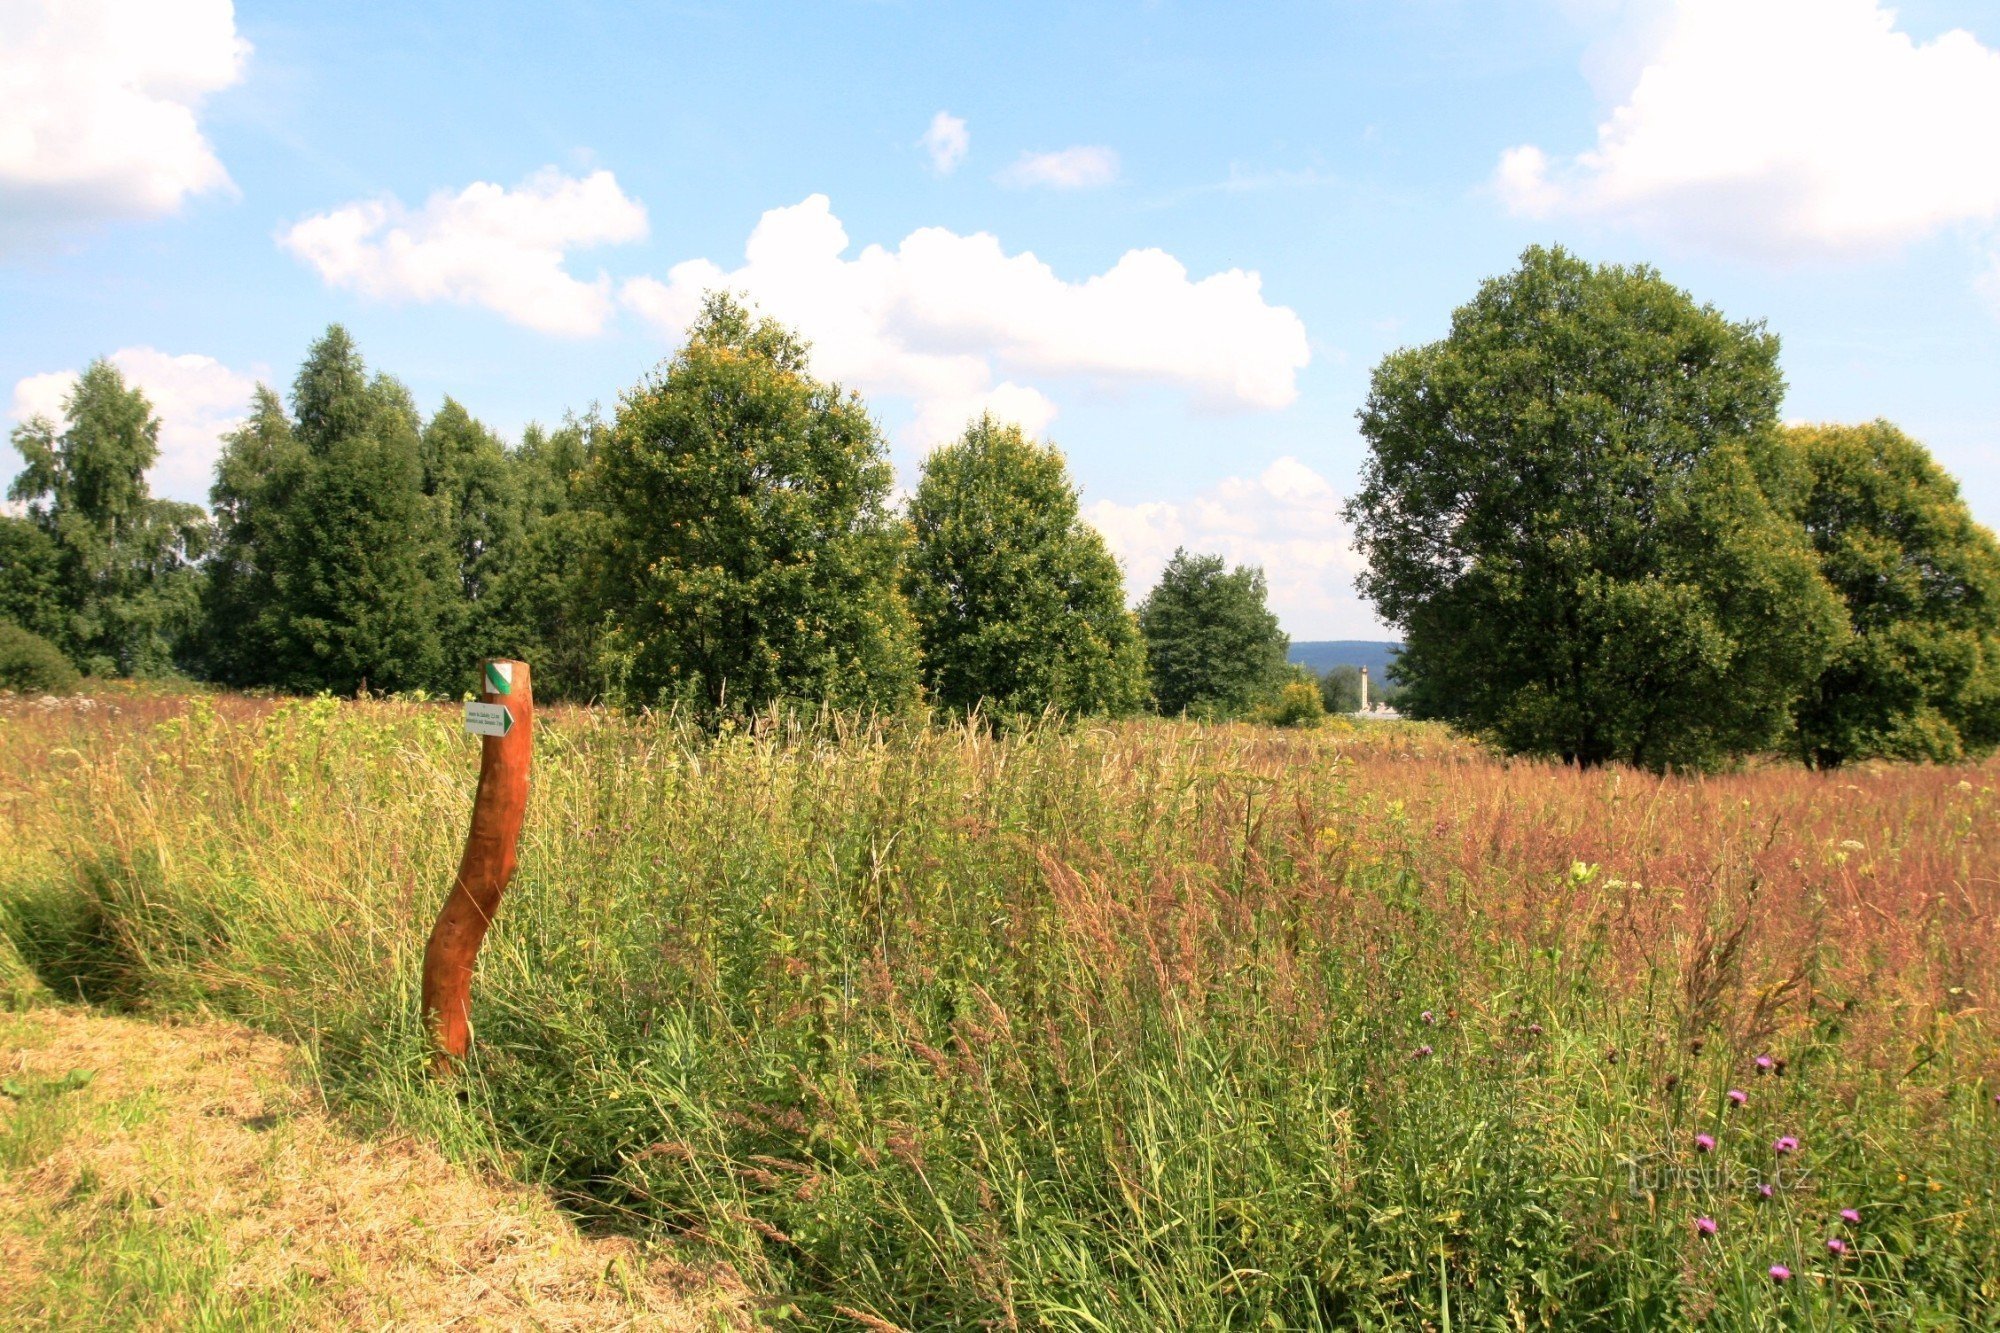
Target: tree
column 1920, row 678
column 1019, row 607
column 335, row 569
column 1340, row 689
column 751, row 555
column 476, row 495
column 123, row 562
column 1212, row 645
column 30, row 578
column 545, row 601
column 1574, row 506
column 256, row 481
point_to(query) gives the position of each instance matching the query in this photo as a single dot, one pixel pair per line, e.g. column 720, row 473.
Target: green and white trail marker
column 499, row 677
column 489, row 719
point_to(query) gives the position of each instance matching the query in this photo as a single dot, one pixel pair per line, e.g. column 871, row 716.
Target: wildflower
column 1780, row 1273
column 1851, row 1216
column 1785, row 1145
column 1763, row 1064
column 1429, row 1017
column 1835, row 1245
column 1765, row 1190
column 1704, row 1143
column 1420, row 1052
column 1673, row 1081
column 1738, row 1096
column 1696, row 1045
column 1611, row 1056
column 1535, row 1030
column 1705, row 1226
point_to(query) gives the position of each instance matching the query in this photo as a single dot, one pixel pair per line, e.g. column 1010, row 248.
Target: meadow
column 1105, row 1026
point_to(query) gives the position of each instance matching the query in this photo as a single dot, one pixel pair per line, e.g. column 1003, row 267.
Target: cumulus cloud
column 947, row 141
column 98, row 102
column 1286, row 519
column 955, row 323
column 1065, row 169
column 197, row 399
column 1774, row 126
column 505, row 249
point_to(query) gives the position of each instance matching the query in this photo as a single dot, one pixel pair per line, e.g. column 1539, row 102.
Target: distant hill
column 1319, row 654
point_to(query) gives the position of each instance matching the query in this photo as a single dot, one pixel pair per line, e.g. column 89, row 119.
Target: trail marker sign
column 499, row 677
column 488, row 719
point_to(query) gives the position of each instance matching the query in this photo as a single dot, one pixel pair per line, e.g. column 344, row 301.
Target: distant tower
column 1364, row 689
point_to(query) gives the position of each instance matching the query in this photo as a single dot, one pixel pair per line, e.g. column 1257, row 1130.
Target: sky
column 1175, row 239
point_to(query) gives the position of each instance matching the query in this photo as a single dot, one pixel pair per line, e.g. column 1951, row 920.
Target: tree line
column 726, row 543
column 1580, row 508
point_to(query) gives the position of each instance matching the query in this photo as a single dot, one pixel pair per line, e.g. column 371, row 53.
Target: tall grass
column 1125, row 1027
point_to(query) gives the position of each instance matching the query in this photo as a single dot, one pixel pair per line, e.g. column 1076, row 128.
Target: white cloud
column 1066, row 169
column 947, row 141
column 98, row 102
column 1774, row 126
column 940, row 318
column 197, row 399
column 1286, row 519
column 499, row 248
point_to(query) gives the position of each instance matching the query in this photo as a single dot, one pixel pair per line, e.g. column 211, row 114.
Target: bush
column 1298, row 704
column 31, row 664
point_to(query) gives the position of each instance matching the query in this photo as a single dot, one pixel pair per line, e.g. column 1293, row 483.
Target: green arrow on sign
column 489, row 719
column 500, row 677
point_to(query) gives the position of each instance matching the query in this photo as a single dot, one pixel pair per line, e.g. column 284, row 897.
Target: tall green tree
column 1575, row 506
column 30, row 578
column 336, row 566
column 257, row 480
column 1019, row 606
column 1213, row 647
column 475, row 492
column 545, row 603
column 1920, row 678
column 751, row 554
column 123, row 567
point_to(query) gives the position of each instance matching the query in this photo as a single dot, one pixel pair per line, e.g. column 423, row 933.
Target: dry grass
column 195, row 1150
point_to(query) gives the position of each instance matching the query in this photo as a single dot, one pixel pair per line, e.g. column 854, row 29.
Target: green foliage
column 1575, row 508
column 30, row 577
column 475, row 492
column 30, row 664
column 751, row 558
column 1296, row 704
column 1019, row 607
column 1340, row 689
column 122, row 573
column 545, row 602
column 1920, row 678
column 336, row 566
column 1212, row 645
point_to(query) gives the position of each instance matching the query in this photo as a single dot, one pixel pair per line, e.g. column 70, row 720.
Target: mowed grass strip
column 1102, row 1027
column 181, row 1176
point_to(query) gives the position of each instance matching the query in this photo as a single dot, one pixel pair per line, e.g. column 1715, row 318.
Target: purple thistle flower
column 1535, row 1030
column 1785, row 1145
column 1851, row 1216
column 1705, row 1226
column 1763, row 1064
column 1738, row 1096
column 1835, row 1245
column 1420, row 1052
column 1766, row 1190
column 1780, row 1273
column 1704, row 1143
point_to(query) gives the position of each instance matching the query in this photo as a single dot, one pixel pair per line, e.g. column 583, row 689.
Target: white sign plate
column 489, row 719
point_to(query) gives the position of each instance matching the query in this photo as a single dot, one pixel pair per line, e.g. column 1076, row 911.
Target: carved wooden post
column 506, row 718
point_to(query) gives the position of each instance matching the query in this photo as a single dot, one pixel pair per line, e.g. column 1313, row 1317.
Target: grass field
column 1108, row 1027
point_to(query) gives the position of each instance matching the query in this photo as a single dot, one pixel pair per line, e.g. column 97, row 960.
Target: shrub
column 1298, row 704
column 31, row 664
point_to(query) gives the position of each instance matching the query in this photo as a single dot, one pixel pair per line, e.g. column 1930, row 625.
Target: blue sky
column 1174, row 238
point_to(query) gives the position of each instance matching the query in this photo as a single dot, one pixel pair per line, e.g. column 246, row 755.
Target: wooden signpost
column 505, row 717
